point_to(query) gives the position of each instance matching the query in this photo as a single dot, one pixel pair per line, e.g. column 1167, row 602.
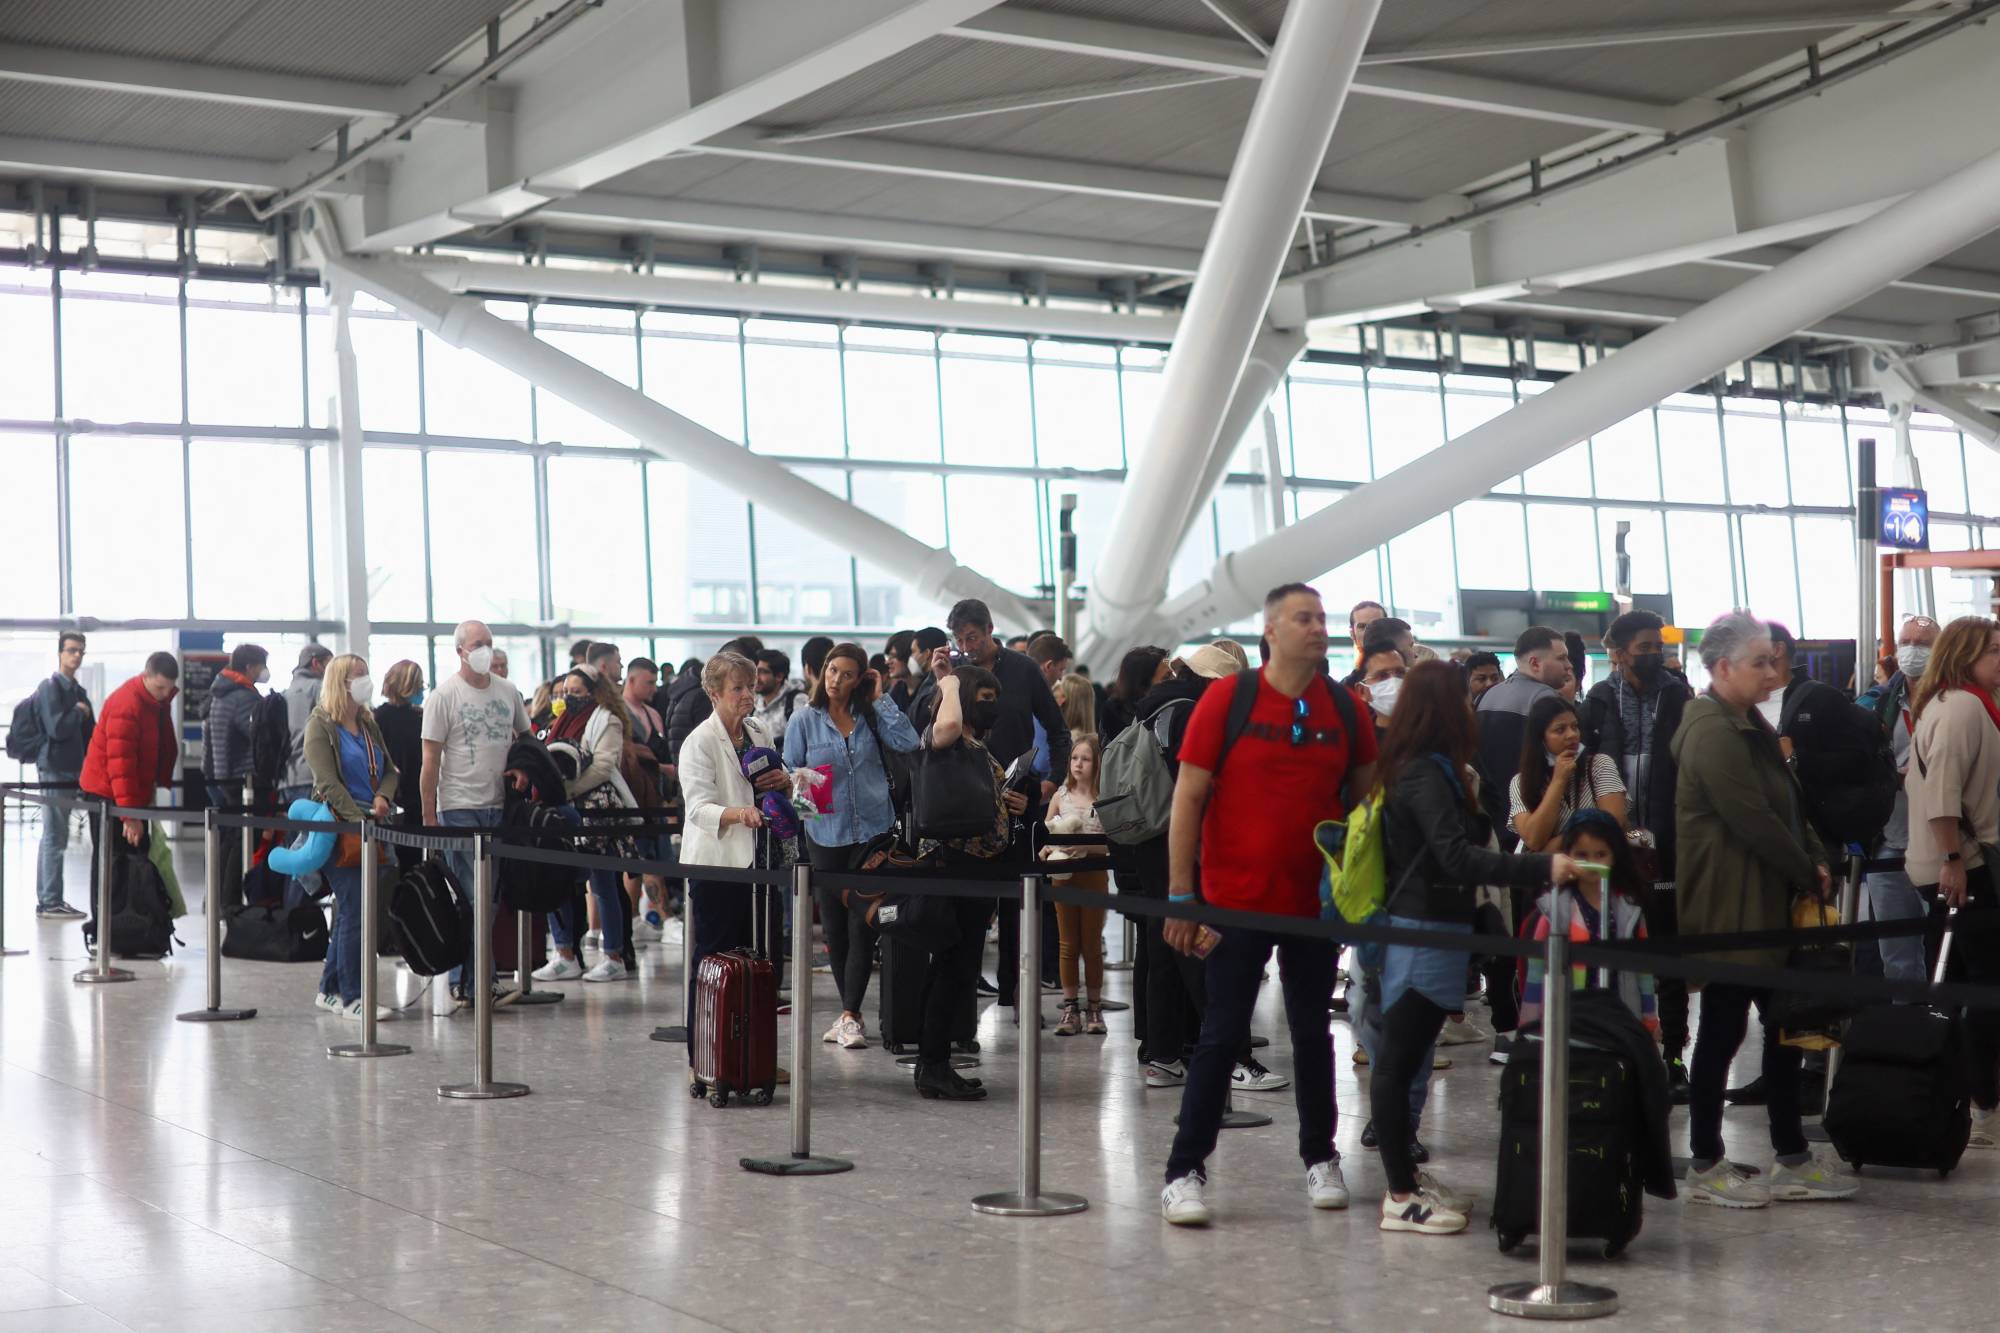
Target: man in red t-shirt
column 1250, row 813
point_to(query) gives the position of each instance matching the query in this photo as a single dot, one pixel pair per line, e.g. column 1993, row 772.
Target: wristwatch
column 1954, row 856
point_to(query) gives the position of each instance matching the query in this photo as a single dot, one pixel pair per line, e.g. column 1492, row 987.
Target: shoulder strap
column 1343, row 704
column 1789, row 713
column 1242, row 701
column 867, row 715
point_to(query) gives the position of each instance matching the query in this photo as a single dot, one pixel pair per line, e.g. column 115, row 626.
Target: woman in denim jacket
column 846, row 729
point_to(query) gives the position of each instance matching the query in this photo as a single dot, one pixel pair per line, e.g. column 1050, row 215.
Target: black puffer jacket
column 688, row 706
column 1437, row 852
column 225, row 736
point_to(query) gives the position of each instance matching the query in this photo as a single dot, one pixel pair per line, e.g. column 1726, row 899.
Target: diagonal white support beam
column 836, row 231
column 1240, row 23
column 979, row 166
column 346, row 461
column 1741, row 25
column 1038, row 99
column 639, row 81
column 1931, row 223
column 1290, row 127
column 1934, row 278
column 1133, row 44
column 189, row 81
column 60, row 159
column 464, row 322
column 1583, row 303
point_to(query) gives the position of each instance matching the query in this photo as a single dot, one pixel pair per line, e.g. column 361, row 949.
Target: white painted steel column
column 463, row 322
column 1768, row 308
column 350, row 548
column 1291, row 124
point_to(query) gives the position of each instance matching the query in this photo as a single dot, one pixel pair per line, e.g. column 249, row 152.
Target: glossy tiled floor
column 157, row 1175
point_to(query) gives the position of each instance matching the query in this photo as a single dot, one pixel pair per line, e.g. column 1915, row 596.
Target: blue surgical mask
column 417, row 699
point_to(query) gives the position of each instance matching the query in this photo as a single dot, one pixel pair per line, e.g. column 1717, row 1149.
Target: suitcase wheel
column 1510, row 1241
column 762, row 1096
column 1944, row 1173
column 720, row 1097
column 697, row 1090
column 1612, row 1249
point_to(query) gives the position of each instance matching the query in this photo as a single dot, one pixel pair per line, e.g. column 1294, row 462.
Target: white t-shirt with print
column 475, row 727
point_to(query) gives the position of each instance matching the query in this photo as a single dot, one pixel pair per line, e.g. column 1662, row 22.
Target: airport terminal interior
column 638, row 357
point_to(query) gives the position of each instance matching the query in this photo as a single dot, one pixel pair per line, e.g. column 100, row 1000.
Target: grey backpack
column 1135, row 790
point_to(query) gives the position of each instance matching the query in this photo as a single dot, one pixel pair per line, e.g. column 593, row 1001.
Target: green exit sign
column 1574, row 601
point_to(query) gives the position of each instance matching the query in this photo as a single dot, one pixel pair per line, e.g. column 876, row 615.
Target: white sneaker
column 559, row 969
column 836, row 1032
column 608, row 970
column 1325, row 1186
column 330, row 1003
column 1985, row 1129
column 1423, row 1213
column 1723, row 1186
column 1165, row 1073
column 1811, row 1181
column 645, row 932
column 1253, row 1077
column 853, row 1037
column 593, row 939
column 1183, row 1203
column 353, row 1012
column 1460, row 1032
column 1456, row 1202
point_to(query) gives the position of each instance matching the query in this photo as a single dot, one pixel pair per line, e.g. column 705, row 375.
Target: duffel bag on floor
column 270, row 933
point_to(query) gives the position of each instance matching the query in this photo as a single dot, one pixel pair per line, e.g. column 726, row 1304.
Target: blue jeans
column 55, row 842
column 1891, row 897
column 486, row 816
column 342, row 974
column 1234, row 967
column 607, row 886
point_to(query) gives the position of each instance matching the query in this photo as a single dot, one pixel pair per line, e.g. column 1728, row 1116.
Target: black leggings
column 1408, row 1029
column 850, row 940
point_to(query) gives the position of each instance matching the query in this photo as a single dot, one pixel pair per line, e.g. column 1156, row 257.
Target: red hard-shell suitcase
column 735, row 1031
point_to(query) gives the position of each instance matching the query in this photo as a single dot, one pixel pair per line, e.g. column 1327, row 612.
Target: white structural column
column 1271, row 355
column 350, row 547
column 1929, row 224
column 464, row 322
column 1284, row 143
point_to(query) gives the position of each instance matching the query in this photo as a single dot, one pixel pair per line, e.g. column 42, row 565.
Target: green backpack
column 1354, row 886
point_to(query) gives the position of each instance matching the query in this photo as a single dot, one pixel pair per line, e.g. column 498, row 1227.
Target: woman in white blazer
column 721, row 819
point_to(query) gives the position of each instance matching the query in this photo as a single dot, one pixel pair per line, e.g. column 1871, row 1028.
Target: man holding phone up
column 1253, row 784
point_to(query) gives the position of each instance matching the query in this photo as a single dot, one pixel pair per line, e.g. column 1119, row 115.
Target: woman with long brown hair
column 1556, row 778
column 1435, row 839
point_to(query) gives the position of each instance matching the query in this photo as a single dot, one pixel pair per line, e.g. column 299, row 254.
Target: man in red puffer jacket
column 133, row 750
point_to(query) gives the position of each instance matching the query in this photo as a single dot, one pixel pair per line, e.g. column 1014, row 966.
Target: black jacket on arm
column 1437, row 853
column 1604, row 733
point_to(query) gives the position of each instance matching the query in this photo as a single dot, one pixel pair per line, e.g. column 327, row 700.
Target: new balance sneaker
column 1253, row 1077
column 1723, row 1186
column 836, row 1032
column 1460, row 1032
column 559, row 968
column 1810, row 1181
column 608, row 970
column 330, row 1003
column 1423, row 1213
column 1452, row 1199
column 1165, row 1073
column 1325, row 1186
column 853, row 1037
column 1985, row 1129
column 1183, row 1202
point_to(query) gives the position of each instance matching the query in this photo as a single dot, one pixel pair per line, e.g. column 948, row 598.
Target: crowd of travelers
column 1631, row 807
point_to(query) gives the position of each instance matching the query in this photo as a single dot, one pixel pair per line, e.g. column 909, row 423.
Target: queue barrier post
column 248, row 834
column 482, row 1088
column 1850, row 912
column 524, row 992
column 1551, row 1296
column 5, row 794
column 371, row 881
column 101, row 970
column 678, row 1032
column 1028, row 1199
column 1128, row 941
column 800, row 1161
column 211, row 910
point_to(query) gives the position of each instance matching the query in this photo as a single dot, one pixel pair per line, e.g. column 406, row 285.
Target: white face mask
column 480, row 660
column 361, row 689
column 1911, row 659
column 263, row 675
column 1382, row 694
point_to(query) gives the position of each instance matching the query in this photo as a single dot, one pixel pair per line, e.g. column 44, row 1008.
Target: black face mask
column 981, row 714
column 1649, row 667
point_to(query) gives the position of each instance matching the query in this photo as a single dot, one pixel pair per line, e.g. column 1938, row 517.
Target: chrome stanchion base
column 515, row 999
column 91, row 975
column 678, row 1032
column 1569, row 1300
column 11, row 953
column 957, row 1061
column 1008, row 1203
column 796, row 1165
column 215, row 1015
column 482, row 1092
column 361, row 1051
column 1235, row 1119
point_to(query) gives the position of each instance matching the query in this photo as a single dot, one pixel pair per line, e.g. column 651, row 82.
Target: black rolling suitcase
column 1903, row 1096
column 1606, row 1190
column 899, row 999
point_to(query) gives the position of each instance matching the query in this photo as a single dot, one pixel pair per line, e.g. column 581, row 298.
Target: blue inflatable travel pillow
column 306, row 852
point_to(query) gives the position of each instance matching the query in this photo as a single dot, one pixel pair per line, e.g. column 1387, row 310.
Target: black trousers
column 950, row 979
column 1408, row 1030
column 1975, row 957
column 850, row 940
column 1663, row 921
column 1008, row 962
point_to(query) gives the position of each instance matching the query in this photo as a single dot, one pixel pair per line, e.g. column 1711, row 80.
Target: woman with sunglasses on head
column 1435, row 840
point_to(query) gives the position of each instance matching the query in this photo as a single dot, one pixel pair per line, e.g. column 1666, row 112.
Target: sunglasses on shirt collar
column 1301, row 733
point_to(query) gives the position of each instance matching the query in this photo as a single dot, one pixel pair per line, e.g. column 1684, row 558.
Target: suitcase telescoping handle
column 1944, row 947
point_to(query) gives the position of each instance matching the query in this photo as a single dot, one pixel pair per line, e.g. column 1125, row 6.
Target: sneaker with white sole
column 645, row 932
column 1325, row 1186
column 59, row 912
column 1723, row 1186
column 1503, row 1046
column 836, row 1032
column 330, row 1003
column 353, row 1012
column 1811, row 1181
column 1184, row 1203
column 1250, row 1076
column 608, row 970
column 1424, row 1213
column 853, row 1036
column 1450, row 1198
column 1165, row 1073
column 1985, row 1129
column 1460, row 1032
column 559, row 969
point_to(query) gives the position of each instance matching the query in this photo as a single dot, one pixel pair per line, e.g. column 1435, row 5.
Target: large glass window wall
column 165, row 447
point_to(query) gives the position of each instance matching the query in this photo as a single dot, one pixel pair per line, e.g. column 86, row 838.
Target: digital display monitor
column 1906, row 519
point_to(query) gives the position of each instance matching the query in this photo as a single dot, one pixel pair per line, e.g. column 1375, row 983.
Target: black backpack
column 534, row 886
column 142, row 915
column 1244, row 701
column 1845, row 761
column 270, row 740
column 268, row 933
column 424, row 908
column 25, row 736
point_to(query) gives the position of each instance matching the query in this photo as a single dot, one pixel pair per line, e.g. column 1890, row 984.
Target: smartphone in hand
column 1205, row 941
